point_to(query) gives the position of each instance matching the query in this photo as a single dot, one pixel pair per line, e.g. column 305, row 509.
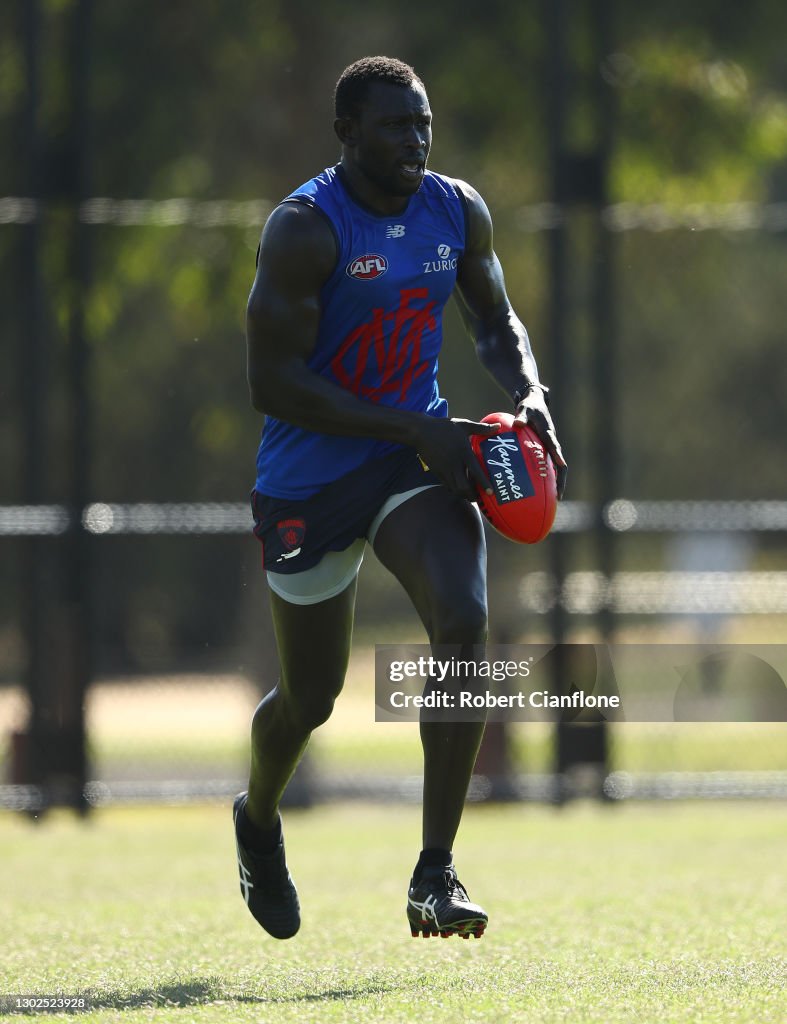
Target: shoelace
column 453, row 886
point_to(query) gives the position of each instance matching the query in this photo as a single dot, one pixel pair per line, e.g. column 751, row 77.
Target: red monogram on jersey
column 383, row 356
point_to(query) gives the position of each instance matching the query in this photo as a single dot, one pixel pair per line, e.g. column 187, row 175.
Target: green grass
column 633, row 913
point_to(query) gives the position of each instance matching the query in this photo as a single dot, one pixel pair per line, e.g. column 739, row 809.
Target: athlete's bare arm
column 500, row 337
column 297, row 256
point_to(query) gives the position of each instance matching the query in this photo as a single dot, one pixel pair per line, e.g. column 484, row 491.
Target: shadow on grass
column 201, row 991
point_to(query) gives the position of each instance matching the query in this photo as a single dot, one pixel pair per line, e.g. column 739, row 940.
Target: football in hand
column 524, row 500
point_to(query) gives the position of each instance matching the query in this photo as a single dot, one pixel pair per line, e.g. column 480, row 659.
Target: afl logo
column 367, row 268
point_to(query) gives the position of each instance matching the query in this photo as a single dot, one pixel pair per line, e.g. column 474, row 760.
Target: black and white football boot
column 438, row 904
column 266, row 885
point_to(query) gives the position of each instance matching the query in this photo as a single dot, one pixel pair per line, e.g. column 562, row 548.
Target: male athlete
column 344, row 330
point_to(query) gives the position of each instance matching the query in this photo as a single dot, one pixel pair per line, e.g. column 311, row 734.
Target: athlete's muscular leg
column 434, row 545
column 314, row 648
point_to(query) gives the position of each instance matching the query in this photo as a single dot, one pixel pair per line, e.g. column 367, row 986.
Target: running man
column 344, row 328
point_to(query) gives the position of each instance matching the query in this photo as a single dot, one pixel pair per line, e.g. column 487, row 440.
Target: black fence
column 134, row 638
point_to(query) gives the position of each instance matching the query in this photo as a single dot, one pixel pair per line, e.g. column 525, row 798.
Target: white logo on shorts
column 289, row 554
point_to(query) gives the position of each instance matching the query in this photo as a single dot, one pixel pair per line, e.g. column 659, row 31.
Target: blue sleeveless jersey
column 380, row 326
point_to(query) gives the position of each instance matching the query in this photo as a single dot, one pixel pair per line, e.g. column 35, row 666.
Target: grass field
column 652, row 914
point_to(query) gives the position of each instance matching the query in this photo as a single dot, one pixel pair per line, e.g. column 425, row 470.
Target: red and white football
column 522, row 477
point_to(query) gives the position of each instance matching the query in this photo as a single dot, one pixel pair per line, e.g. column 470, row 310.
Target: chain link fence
column 181, row 646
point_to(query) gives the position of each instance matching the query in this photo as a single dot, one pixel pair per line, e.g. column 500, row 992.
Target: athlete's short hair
column 355, row 81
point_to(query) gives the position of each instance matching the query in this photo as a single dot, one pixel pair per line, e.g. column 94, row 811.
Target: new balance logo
column 394, row 231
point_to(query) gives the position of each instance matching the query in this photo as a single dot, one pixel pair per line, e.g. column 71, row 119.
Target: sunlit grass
column 597, row 915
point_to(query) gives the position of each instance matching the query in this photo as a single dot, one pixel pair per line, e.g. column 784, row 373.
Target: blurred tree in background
column 209, row 101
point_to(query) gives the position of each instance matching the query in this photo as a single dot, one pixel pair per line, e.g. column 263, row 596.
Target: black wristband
column 519, row 395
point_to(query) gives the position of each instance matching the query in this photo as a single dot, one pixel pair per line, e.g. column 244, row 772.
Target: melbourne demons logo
column 367, row 268
column 291, row 532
